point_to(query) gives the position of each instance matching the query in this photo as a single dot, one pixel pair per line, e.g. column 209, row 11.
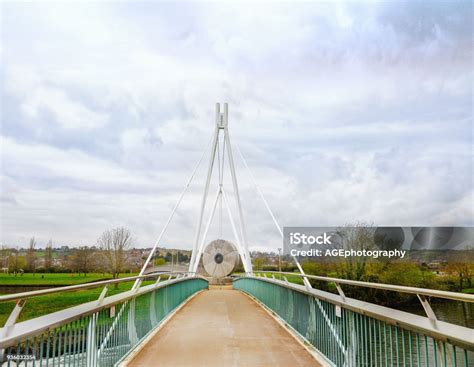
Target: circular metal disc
column 220, row 258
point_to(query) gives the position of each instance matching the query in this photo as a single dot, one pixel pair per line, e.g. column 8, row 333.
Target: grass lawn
column 42, row 305
column 53, row 278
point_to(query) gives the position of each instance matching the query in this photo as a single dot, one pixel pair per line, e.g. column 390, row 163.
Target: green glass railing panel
column 105, row 337
column 352, row 339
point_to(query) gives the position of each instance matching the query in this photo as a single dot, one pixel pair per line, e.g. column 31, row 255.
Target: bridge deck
column 222, row 327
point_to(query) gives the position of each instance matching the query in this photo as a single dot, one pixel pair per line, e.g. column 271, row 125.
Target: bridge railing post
column 351, row 355
column 11, row 321
column 132, row 330
column 102, row 295
column 427, row 307
column 92, row 351
column 340, row 291
column 153, row 318
column 13, row 316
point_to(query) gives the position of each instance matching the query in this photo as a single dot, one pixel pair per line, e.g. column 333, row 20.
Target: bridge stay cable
column 206, row 230
column 234, row 228
column 278, row 227
column 185, row 189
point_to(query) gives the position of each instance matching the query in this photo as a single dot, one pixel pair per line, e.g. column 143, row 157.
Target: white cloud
column 38, row 99
column 345, row 111
column 67, row 113
column 45, row 166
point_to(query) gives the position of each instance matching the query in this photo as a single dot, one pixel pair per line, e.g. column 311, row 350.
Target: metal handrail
column 28, row 329
column 442, row 331
column 41, row 292
column 389, row 287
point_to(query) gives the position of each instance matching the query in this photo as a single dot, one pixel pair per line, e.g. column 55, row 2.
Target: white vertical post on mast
column 221, row 127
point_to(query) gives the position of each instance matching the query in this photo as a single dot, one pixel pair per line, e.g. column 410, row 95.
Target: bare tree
column 82, row 260
column 464, row 273
column 31, row 256
column 48, row 255
column 114, row 243
column 359, row 236
column 16, row 262
column 4, row 255
column 258, row 263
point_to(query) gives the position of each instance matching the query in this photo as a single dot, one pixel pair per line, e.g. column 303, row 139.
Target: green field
column 53, row 278
column 42, row 305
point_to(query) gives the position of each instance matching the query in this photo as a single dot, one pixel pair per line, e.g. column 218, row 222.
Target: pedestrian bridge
column 180, row 320
column 259, row 320
column 222, row 327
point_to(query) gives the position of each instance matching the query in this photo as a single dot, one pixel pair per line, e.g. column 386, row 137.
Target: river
column 459, row 313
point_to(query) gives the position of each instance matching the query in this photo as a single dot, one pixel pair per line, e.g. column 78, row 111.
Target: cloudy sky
column 345, row 112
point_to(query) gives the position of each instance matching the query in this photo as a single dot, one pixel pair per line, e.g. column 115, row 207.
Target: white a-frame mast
column 221, row 133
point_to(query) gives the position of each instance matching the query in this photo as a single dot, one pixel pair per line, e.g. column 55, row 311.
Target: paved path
column 222, row 327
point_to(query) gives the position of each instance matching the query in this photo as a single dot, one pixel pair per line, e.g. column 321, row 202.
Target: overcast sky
column 345, row 113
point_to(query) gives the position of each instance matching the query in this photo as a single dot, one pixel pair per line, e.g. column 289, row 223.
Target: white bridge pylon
column 221, row 139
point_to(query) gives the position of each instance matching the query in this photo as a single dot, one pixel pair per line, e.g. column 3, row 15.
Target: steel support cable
column 138, row 281
column 221, row 183
column 305, row 280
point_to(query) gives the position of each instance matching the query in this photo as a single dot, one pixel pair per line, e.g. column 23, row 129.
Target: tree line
column 453, row 271
column 112, row 253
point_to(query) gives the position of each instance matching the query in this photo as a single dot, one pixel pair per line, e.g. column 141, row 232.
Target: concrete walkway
column 222, row 327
